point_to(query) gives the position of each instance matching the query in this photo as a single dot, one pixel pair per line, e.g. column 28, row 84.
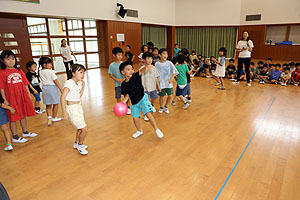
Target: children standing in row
column 72, row 92
column 132, row 88
column 114, row 73
column 51, row 89
column 150, row 80
column 34, row 85
column 219, row 73
column 15, row 93
column 167, row 73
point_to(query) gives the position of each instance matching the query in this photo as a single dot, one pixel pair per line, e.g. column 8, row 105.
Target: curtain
column 157, row 35
column 207, row 41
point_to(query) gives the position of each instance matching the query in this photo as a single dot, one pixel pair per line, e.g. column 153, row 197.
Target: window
column 36, row 26
column 90, row 27
column 295, row 35
column 55, row 45
column 39, row 46
column 56, row 26
column 76, row 45
column 91, row 44
column 75, row 27
column 93, row 60
column 276, row 34
column 58, row 64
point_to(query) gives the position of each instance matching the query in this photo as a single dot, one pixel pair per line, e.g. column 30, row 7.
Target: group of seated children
column 268, row 73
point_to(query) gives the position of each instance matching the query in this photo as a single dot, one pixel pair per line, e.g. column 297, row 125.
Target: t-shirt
column 47, row 76
column 258, row 69
column 115, row 72
column 149, row 78
column 230, row 69
column 296, row 75
column 133, row 88
column 262, row 73
column 193, row 57
column 166, row 71
column 176, row 51
column 253, row 70
column 74, row 93
column 128, row 56
column 181, row 77
column 276, row 74
column 34, row 80
column 66, row 52
column 286, row 76
column 243, row 44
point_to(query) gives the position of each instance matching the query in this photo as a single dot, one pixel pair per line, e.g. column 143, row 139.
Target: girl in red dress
column 15, row 92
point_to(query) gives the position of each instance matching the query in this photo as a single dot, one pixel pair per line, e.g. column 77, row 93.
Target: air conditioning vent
column 132, row 13
column 253, row 17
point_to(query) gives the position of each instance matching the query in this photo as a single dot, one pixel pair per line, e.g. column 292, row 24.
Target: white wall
column 272, row 11
column 154, row 11
column 207, row 12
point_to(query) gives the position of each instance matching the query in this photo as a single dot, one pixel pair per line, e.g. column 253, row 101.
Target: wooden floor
column 200, row 148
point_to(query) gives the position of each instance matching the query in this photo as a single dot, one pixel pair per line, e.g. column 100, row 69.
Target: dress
column 13, row 82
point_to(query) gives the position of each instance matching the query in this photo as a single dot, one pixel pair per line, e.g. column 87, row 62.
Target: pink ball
column 120, row 109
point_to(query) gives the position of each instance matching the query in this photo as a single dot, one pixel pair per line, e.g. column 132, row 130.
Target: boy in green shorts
column 167, row 73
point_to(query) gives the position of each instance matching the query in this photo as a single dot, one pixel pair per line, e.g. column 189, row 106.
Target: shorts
column 152, row 94
column 188, row 89
column 37, row 96
column 51, row 94
column 143, row 105
column 181, row 92
column 165, row 91
column 75, row 113
column 118, row 92
column 3, row 117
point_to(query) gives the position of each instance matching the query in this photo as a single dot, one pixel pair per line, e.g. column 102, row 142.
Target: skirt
column 50, row 94
column 219, row 72
column 3, row 117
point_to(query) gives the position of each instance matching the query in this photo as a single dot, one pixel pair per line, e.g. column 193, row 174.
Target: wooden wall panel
column 171, row 38
column 18, row 27
column 132, row 33
column 262, row 51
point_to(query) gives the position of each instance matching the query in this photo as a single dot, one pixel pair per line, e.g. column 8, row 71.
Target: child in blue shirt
column 115, row 74
column 275, row 74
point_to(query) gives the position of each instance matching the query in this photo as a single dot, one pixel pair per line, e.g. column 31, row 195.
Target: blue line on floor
column 261, row 121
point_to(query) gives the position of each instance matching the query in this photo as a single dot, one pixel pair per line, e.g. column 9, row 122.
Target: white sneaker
column 82, row 151
column 208, row 76
column 38, row 112
column 232, row 79
column 8, row 148
column 137, row 134
column 56, row 119
column 29, row 134
column 173, row 103
column 236, row 82
column 189, row 101
column 75, row 145
column 128, row 112
column 153, row 109
column 218, row 83
column 161, row 110
column 159, row 133
column 249, row 84
column 43, row 111
column 19, row 140
column 295, row 84
column 185, row 106
column 166, row 110
column 146, row 118
column 192, row 75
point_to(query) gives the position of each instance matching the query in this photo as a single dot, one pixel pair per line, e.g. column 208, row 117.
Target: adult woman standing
column 244, row 47
column 66, row 54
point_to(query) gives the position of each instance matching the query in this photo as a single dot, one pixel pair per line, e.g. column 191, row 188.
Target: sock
column 166, row 106
column 49, row 117
column 185, row 103
column 15, row 136
column 9, row 144
column 161, row 107
column 189, row 98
